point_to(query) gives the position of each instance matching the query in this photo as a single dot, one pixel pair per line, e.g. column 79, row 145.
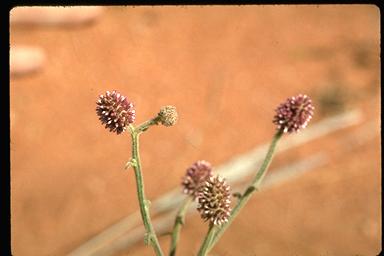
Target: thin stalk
column 144, row 126
column 254, row 186
column 205, row 246
column 150, row 236
column 179, row 222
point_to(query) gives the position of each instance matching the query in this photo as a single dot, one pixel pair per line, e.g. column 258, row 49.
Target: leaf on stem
column 147, row 203
column 147, row 238
column 130, row 163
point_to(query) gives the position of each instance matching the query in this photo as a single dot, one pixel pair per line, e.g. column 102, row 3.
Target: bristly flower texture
column 294, row 114
column 214, row 201
column 195, row 177
column 168, row 115
column 115, row 111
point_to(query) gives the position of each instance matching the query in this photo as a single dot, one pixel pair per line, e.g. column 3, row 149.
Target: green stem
column 144, row 126
column 205, row 247
column 179, row 222
column 150, row 236
column 254, row 186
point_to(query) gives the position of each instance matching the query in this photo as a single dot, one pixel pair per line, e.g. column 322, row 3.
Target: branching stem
column 150, row 235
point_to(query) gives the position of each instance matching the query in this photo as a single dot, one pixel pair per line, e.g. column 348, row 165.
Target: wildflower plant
column 211, row 192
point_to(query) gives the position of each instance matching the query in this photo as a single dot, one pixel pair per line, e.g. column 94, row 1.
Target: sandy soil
column 225, row 69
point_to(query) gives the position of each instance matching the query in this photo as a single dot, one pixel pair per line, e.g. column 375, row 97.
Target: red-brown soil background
column 225, row 68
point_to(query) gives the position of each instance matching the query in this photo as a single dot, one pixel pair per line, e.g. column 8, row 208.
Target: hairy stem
column 250, row 189
column 144, row 126
column 205, row 246
column 150, row 235
column 179, row 222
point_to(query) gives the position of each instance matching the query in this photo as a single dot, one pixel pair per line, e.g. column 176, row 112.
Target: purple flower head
column 214, row 201
column 115, row 111
column 195, row 177
column 294, row 114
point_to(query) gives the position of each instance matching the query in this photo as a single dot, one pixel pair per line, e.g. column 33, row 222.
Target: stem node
column 150, row 237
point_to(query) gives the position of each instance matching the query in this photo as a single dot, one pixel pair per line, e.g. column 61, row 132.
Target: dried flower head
column 195, row 177
column 214, row 200
column 115, row 111
column 168, row 115
column 294, row 114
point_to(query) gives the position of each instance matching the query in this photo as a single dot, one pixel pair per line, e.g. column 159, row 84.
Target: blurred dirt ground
column 225, row 68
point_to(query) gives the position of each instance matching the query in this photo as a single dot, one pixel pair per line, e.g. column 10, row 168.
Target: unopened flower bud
column 168, row 115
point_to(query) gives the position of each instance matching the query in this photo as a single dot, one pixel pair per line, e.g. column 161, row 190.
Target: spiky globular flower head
column 115, row 111
column 195, row 177
column 214, row 201
column 168, row 115
column 294, row 114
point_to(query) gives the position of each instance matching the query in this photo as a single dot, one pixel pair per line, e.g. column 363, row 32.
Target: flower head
column 168, row 115
column 115, row 111
column 195, row 177
column 214, row 200
column 294, row 114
